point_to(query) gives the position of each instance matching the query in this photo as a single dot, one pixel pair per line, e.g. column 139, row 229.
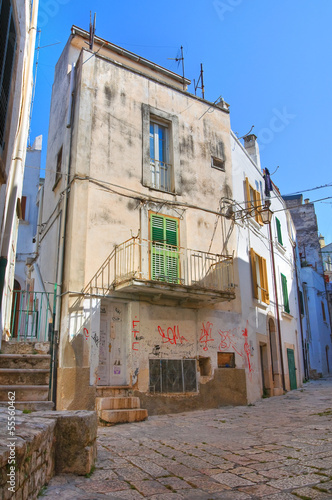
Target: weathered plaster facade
column 317, row 321
column 18, row 21
column 154, row 272
column 100, row 206
column 265, row 254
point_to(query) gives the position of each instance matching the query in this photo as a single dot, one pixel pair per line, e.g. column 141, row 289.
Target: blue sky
column 271, row 61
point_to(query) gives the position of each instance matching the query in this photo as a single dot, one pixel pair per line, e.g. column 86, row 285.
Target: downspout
column 277, row 309
column 305, row 364
column 62, row 241
column 17, row 163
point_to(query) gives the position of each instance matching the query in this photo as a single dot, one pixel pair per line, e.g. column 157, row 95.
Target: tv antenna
column 92, row 31
column 178, row 59
column 200, row 79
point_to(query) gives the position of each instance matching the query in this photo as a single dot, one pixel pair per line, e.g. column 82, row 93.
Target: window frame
column 279, row 232
column 160, row 166
column 58, row 168
column 165, row 251
column 253, row 202
column 259, row 277
column 171, row 122
column 285, row 294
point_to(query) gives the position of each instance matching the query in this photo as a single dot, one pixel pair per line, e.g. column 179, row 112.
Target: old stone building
column 317, row 321
column 18, row 21
column 267, row 274
column 139, row 234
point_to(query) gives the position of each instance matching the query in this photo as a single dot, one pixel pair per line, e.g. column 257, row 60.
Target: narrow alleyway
column 278, row 449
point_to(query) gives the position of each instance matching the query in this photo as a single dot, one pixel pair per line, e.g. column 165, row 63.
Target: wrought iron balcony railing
column 138, row 262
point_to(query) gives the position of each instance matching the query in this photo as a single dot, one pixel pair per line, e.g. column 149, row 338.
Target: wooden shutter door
column 172, row 252
column 157, row 248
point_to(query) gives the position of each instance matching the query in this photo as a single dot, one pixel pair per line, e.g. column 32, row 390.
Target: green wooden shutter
column 279, row 231
column 164, row 249
column 285, row 293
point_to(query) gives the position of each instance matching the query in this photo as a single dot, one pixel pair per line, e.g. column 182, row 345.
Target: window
column 226, row 360
column 254, row 201
column 217, row 163
column 172, row 375
column 279, row 235
column 259, row 277
column 301, row 302
column 7, row 55
column 323, row 311
column 161, row 159
column 164, row 248
column 285, row 293
column 23, row 207
column 58, row 167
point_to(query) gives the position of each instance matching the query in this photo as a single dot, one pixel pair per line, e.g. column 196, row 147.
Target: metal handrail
column 132, row 259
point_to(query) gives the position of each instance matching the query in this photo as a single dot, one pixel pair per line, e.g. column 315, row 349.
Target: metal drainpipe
column 277, row 309
column 62, row 235
column 305, row 364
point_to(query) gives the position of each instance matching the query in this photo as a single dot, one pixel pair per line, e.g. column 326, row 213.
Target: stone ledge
column 47, row 443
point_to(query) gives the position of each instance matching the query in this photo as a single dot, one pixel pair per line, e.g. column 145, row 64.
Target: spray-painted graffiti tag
column 206, row 335
column 230, row 339
column 171, row 335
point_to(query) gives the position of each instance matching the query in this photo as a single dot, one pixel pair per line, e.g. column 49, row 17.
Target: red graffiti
column 229, row 340
column 134, row 344
column 86, row 333
column 135, row 332
column 247, row 349
column 206, row 337
column 172, row 335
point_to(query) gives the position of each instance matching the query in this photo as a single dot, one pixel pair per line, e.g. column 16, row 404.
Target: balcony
column 162, row 271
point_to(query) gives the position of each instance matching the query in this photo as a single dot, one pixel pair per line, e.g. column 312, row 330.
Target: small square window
column 226, row 360
column 217, row 163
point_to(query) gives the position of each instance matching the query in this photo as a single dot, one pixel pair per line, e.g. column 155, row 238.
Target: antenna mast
column 180, row 59
column 202, row 82
column 92, row 31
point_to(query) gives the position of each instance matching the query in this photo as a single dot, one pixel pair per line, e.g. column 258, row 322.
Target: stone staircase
column 25, row 370
column 115, row 405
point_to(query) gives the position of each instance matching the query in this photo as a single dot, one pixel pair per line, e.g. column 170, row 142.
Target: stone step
column 28, row 347
column 22, row 376
column 105, row 391
column 117, row 403
column 25, row 392
column 25, row 361
column 31, row 405
column 122, row 416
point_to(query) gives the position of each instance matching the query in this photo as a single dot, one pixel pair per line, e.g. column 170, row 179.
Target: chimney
column 306, row 201
column 321, row 241
column 251, row 146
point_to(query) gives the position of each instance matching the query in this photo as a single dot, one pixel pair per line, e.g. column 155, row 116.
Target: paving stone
column 259, row 490
column 206, row 484
column 311, row 493
column 175, row 482
column 131, row 473
column 104, row 486
column 293, row 482
column 148, row 488
column 231, row 480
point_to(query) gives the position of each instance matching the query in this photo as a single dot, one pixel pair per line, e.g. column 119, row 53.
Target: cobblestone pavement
column 278, row 449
